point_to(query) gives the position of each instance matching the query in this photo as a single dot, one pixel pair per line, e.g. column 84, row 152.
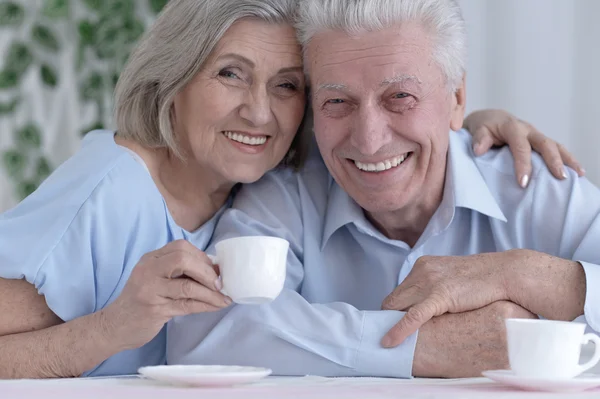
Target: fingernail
column 582, row 171
column 218, row 284
column 524, row 181
column 228, row 301
column 386, row 342
column 564, row 174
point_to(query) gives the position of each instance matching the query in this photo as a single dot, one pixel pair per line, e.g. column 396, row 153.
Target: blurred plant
column 105, row 37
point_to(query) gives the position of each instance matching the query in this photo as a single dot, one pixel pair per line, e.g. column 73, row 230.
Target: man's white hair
column 441, row 19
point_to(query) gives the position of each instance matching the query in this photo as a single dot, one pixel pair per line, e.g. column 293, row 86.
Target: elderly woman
column 110, row 247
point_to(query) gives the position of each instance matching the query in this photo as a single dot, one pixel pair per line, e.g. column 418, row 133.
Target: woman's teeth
column 381, row 166
column 250, row 140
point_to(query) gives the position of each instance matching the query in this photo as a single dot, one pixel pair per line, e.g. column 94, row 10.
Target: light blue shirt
column 340, row 268
column 78, row 237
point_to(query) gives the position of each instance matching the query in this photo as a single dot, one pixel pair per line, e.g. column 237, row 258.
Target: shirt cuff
column 375, row 360
column 592, row 294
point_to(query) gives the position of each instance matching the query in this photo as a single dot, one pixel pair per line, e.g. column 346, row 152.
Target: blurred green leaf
column 95, row 126
column 56, row 8
column 26, row 188
column 87, row 31
column 9, row 107
column 133, row 28
column 49, row 75
column 11, row 14
column 115, row 79
column 157, row 5
column 9, row 79
column 95, row 5
column 43, row 36
column 18, row 58
column 14, row 163
column 42, row 169
column 119, row 8
column 29, row 136
column 92, row 87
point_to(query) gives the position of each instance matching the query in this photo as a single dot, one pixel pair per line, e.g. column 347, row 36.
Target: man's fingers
column 570, row 160
column 410, row 323
column 186, row 288
column 483, row 140
column 402, row 298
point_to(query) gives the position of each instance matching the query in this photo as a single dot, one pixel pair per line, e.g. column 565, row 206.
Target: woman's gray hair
column 442, row 19
column 171, row 53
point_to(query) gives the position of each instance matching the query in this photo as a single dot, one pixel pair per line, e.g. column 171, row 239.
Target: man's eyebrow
column 400, row 79
column 332, row 86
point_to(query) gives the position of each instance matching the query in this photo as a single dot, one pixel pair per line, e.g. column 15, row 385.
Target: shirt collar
column 464, row 188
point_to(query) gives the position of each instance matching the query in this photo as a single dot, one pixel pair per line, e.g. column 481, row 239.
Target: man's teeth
column 381, row 166
column 250, row 140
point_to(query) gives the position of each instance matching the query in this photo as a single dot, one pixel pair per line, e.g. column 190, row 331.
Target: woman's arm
column 175, row 280
column 35, row 343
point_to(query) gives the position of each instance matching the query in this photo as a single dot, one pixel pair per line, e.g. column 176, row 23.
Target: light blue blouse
column 78, row 237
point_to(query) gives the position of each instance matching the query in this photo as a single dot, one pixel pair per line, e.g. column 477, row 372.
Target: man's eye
column 400, row 95
column 335, row 101
column 226, row 73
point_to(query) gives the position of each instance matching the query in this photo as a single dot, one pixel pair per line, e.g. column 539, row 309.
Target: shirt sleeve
column 569, row 211
column 290, row 335
column 72, row 239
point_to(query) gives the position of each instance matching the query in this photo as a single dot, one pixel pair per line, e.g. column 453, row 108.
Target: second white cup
column 548, row 349
column 253, row 268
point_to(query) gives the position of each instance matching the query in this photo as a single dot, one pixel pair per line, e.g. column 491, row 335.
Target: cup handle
column 215, row 260
column 595, row 358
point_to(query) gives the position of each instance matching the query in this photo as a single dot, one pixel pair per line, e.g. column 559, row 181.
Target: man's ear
column 459, row 100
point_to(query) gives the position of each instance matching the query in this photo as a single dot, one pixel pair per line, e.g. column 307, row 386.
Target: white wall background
column 540, row 59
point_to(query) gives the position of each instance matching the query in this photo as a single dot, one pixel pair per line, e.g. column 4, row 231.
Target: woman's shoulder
column 84, row 228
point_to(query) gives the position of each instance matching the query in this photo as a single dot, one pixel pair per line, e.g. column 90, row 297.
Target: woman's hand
column 176, row 280
column 497, row 127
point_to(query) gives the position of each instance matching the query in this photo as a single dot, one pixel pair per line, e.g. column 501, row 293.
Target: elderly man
column 396, row 212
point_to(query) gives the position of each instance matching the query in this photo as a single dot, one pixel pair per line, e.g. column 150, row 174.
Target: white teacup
column 252, row 268
column 548, row 349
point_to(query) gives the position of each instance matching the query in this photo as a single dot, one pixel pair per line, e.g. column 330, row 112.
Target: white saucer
column 576, row 384
column 204, row 376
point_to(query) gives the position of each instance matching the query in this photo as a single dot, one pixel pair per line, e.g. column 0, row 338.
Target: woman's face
column 240, row 113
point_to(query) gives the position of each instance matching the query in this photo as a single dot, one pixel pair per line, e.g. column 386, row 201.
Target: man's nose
column 371, row 132
column 257, row 107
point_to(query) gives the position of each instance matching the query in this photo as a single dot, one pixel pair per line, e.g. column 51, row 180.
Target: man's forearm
column 551, row 287
column 65, row 350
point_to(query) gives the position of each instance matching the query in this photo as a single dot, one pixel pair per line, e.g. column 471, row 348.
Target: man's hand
column 445, row 284
column 546, row 285
column 465, row 344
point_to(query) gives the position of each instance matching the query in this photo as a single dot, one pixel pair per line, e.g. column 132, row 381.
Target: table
column 308, row 387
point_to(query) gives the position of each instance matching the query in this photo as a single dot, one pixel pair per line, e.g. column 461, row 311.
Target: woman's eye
column 335, row 101
column 400, row 95
column 288, row 86
column 226, row 73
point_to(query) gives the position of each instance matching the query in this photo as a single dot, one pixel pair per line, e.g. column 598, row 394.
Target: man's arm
column 563, row 219
column 290, row 335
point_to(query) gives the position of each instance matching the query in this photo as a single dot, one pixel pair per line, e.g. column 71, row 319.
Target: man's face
column 382, row 113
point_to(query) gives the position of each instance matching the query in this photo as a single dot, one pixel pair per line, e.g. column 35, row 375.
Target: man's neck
column 409, row 223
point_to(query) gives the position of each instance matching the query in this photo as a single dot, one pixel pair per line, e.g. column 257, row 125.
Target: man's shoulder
column 313, row 178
